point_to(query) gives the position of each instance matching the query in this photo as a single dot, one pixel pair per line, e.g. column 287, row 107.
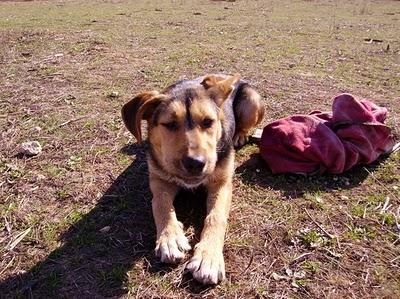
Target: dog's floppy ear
column 140, row 107
column 219, row 87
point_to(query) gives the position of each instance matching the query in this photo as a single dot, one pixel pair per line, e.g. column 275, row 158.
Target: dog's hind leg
column 249, row 112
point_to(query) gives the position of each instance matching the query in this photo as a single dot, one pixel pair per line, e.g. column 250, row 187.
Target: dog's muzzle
column 194, row 165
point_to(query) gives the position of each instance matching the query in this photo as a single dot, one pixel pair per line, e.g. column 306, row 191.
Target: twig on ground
column 396, row 219
column 8, row 265
column 366, row 277
column 336, row 234
column 18, row 239
column 300, row 258
column 68, row 122
column 250, row 262
column 319, row 226
column 331, row 253
column 395, row 148
column 395, row 259
column 261, row 264
column 71, row 121
column 386, row 205
column 7, row 224
column 365, row 212
column 137, row 290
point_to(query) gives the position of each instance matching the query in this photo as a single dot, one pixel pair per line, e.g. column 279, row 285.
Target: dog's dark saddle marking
column 190, row 94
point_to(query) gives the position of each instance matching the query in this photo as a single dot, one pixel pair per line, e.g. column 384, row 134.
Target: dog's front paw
column 240, row 139
column 207, row 265
column 171, row 245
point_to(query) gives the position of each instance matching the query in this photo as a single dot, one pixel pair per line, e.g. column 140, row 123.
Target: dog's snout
column 194, row 165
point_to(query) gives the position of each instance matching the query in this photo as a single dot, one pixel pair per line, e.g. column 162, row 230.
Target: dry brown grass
column 76, row 219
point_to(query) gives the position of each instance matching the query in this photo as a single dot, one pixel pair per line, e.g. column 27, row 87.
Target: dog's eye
column 172, row 126
column 207, row 123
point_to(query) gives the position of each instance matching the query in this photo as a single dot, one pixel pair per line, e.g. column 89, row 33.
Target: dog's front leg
column 171, row 242
column 207, row 264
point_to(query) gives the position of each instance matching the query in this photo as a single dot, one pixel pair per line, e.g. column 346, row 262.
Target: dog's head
column 184, row 125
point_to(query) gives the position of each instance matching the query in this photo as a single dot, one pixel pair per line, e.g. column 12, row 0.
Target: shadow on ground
column 255, row 171
column 103, row 246
column 100, row 248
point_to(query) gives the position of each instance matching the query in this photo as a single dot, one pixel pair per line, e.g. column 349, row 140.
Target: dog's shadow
column 102, row 246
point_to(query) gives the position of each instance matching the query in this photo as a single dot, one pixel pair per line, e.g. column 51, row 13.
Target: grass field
column 76, row 220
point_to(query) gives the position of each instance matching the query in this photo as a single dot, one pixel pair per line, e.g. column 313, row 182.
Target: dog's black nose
column 193, row 165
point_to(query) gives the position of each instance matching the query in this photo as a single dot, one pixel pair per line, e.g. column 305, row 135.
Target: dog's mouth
column 193, row 180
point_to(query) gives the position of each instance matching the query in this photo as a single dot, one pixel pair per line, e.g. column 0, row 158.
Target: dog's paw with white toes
column 171, row 245
column 207, row 267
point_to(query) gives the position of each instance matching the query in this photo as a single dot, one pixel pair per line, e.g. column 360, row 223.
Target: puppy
column 193, row 126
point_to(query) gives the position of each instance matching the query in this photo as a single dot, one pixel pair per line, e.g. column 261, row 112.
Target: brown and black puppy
column 192, row 128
